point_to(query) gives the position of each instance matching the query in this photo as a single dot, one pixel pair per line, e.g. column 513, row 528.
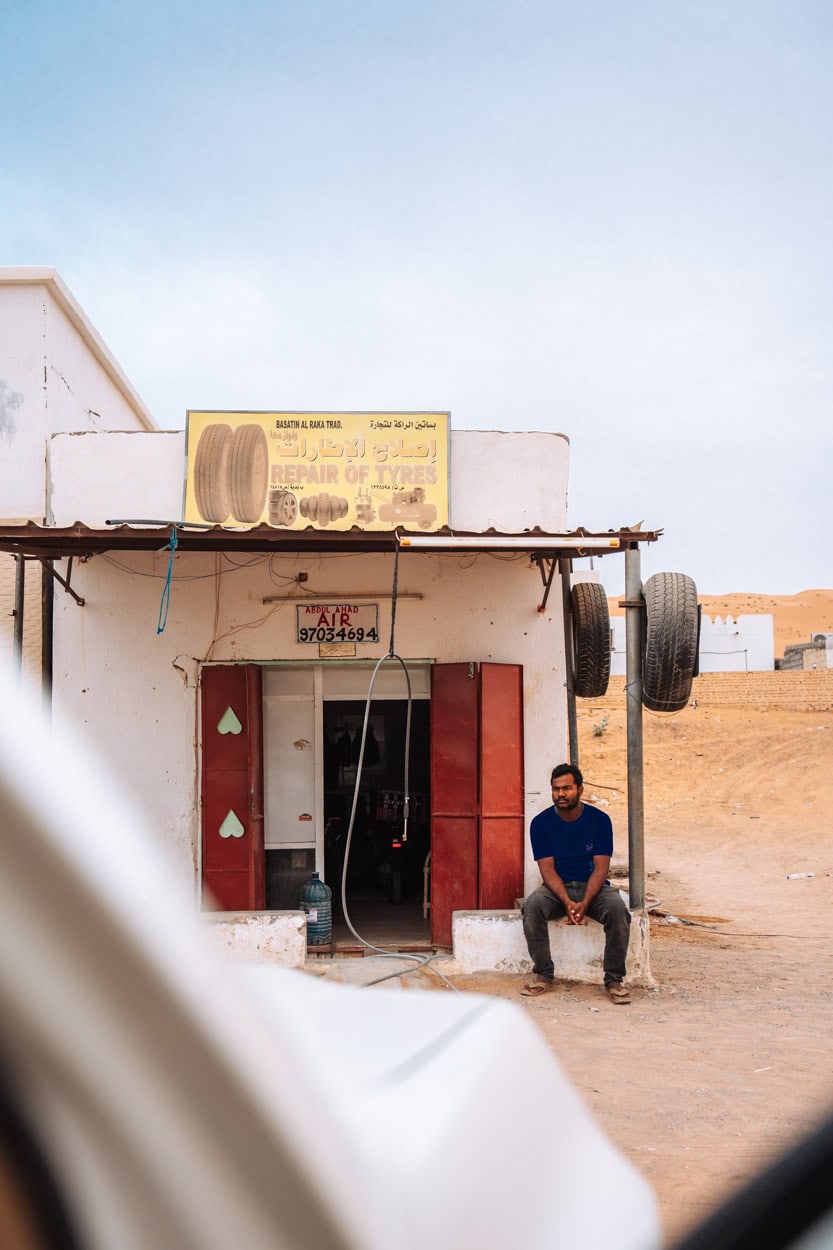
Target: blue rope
column 165, row 602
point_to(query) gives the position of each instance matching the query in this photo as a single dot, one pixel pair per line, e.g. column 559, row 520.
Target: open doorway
column 266, row 801
column 387, row 875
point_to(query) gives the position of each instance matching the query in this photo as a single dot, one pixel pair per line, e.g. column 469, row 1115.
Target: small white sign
column 337, row 622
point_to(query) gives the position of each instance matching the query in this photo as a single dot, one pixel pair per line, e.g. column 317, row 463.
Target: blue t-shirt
column 572, row 843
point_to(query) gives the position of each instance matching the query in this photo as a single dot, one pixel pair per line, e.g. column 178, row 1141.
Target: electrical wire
column 419, row 961
column 256, row 623
column 182, row 577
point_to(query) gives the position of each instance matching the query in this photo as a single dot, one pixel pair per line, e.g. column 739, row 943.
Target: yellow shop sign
column 337, row 470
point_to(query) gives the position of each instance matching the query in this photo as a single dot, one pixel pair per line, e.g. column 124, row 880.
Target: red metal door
column 454, row 796
column 233, row 859
column 501, row 842
column 477, row 811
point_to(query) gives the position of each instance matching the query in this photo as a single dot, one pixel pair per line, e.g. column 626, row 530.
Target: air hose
column 419, row 961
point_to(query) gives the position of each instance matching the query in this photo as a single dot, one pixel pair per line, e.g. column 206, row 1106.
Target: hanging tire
column 669, row 655
column 591, row 640
column 211, row 487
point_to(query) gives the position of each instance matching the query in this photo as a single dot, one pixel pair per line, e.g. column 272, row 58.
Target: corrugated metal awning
column 57, row 542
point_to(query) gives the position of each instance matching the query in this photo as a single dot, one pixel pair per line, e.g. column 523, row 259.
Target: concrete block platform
column 483, row 941
column 261, row 937
column 493, row 941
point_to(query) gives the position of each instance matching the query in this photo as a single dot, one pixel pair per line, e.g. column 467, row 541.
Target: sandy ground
column 707, row 1077
column 704, row 1079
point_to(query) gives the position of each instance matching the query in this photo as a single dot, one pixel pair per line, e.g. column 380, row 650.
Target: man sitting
column 572, row 843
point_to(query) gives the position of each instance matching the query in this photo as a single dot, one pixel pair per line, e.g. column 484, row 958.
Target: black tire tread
column 670, row 646
column 591, row 640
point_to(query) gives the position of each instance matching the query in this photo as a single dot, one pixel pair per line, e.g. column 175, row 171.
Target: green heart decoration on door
column 228, row 723
column 231, row 827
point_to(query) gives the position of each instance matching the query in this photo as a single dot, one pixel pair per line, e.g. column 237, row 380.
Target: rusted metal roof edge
column 57, row 542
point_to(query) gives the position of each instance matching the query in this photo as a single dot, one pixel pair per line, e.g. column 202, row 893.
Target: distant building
column 817, row 653
column 727, row 645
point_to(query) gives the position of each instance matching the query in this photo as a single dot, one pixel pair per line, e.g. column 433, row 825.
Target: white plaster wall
column 51, row 379
column 509, row 482
column 115, row 682
column 743, row 645
column 726, row 646
column 81, row 393
column 104, row 476
column 132, row 692
column 22, row 402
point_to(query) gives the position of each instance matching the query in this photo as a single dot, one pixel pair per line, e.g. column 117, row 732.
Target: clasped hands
column 575, row 913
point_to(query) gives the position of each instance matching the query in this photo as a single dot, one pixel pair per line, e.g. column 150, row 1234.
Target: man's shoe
column 541, row 985
column 617, row 993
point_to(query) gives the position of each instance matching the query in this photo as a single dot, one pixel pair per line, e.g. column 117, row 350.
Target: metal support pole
column 46, row 633
column 633, row 688
column 565, row 568
column 19, row 601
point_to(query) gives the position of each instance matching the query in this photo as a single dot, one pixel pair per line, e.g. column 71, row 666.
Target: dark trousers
column 608, row 908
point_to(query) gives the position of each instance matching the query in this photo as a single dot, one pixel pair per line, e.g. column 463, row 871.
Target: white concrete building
column 236, row 740
column 56, row 375
column 742, row 645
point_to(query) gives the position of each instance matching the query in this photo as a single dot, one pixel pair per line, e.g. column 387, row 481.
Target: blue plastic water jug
column 317, row 902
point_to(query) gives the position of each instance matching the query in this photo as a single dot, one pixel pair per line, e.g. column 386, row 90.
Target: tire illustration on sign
column 211, row 480
column 669, row 655
column 248, row 473
column 591, row 640
column 283, row 507
column 323, row 508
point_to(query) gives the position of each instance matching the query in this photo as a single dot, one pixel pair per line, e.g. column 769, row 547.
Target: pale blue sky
column 604, row 218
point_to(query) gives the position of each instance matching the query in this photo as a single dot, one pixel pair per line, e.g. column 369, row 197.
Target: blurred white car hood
column 185, row 1102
